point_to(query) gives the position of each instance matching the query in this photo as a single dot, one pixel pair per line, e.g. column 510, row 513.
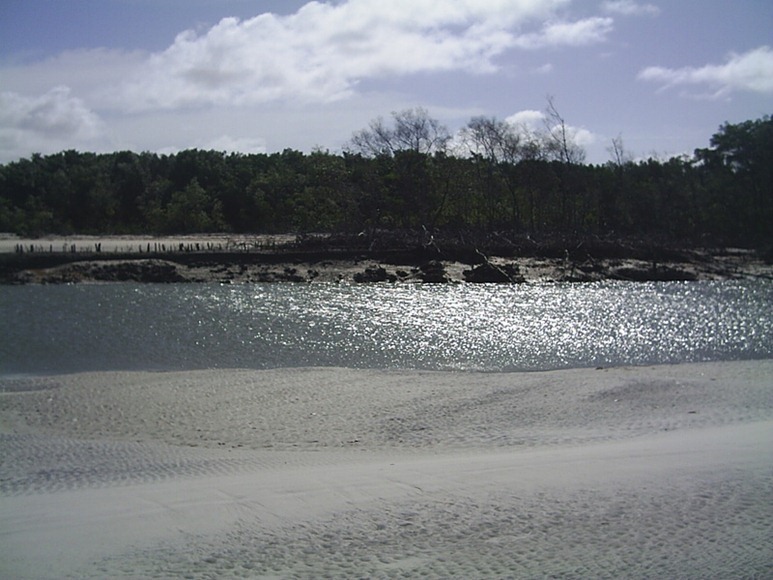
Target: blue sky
column 260, row 76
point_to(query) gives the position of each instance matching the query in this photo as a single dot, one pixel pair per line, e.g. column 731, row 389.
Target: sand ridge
column 351, row 409
column 324, row 472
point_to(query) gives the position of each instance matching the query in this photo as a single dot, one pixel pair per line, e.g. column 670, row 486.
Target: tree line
column 408, row 172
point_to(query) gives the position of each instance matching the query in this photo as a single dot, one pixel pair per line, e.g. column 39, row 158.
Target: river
column 466, row 327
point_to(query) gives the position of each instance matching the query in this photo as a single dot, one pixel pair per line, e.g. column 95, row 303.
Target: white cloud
column 267, row 67
column 321, row 52
column 528, row 118
column 583, row 137
column 317, row 55
column 54, row 114
column 53, row 121
column 751, row 71
column 630, row 8
column 580, row 33
column 532, row 121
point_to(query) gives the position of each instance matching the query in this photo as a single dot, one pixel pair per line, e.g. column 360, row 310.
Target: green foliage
column 738, row 170
column 723, row 195
column 193, row 210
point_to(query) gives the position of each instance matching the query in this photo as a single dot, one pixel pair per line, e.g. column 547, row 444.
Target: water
column 54, row 329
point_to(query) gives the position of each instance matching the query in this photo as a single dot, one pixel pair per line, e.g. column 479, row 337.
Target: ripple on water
column 460, row 327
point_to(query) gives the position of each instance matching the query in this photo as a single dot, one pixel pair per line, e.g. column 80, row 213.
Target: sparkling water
column 69, row 328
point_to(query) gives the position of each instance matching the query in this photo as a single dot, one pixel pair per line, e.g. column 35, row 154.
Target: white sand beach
column 635, row 472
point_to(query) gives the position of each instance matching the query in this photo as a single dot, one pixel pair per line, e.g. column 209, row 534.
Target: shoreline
column 659, row 471
column 260, row 259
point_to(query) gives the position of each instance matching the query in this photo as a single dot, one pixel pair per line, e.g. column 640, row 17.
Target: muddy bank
column 329, row 259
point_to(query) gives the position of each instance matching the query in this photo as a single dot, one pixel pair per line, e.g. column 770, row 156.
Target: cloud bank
column 321, row 53
column 311, row 77
column 48, row 122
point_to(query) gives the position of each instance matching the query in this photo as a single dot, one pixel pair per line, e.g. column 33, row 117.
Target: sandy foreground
column 649, row 472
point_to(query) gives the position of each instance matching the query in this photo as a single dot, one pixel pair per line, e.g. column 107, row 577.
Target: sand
column 129, row 244
column 636, row 472
column 235, row 259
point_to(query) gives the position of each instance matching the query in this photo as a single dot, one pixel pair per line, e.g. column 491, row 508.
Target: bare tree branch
column 412, row 130
column 562, row 138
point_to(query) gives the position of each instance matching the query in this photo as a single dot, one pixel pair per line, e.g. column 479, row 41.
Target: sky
column 257, row 76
